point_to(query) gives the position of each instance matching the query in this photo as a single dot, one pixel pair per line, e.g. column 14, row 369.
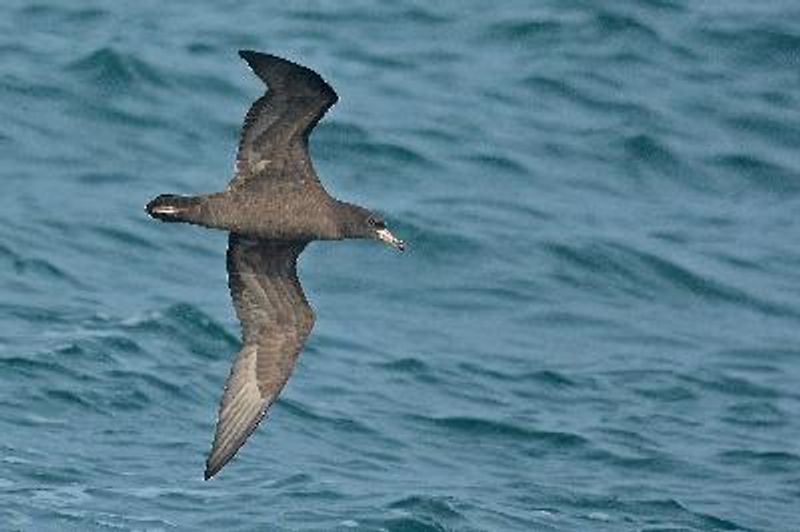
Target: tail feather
column 169, row 207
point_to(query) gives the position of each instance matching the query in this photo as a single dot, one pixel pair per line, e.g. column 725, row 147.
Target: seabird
column 272, row 208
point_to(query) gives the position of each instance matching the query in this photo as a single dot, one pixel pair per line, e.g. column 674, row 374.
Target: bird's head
column 359, row 222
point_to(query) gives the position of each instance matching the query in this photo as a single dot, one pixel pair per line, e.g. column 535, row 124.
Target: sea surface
column 596, row 326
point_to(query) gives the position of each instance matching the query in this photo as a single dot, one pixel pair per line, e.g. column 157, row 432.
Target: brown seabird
column 273, row 207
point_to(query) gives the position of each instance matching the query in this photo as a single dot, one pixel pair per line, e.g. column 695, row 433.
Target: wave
column 186, row 323
column 769, row 462
column 110, row 69
column 760, row 45
column 609, row 266
column 475, row 427
column 758, row 173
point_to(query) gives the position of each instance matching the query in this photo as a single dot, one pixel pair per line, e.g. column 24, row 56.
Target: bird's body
column 273, row 207
column 264, row 214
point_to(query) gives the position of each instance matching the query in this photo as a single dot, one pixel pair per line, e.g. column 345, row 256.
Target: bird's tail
column 171, row 208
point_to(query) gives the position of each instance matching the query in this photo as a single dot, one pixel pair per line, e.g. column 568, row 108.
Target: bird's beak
column 389, row 238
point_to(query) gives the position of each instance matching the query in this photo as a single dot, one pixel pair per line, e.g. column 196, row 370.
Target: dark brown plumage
column 273, row 206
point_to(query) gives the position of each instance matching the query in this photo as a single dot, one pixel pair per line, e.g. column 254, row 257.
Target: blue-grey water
column 596, row 327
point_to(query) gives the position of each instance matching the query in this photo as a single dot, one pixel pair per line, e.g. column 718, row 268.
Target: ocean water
column 596, row 326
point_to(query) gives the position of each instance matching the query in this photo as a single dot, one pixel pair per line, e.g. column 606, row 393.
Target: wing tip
column 209, row 473
column 247, row 55
column 253, row 58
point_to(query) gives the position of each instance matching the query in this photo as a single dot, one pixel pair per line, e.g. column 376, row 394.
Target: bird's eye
column 378, row 224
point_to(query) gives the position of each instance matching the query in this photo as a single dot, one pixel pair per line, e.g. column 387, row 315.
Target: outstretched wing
column 276, row 319
column 277, row 126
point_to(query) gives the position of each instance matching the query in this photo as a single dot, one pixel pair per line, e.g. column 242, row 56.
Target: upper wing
column 277, row 126
column 276, row 319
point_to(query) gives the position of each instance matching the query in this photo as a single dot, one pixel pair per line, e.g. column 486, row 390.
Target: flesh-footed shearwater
column 273, row 207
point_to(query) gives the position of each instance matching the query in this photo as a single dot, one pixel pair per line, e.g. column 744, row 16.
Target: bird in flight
column 272, row 208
